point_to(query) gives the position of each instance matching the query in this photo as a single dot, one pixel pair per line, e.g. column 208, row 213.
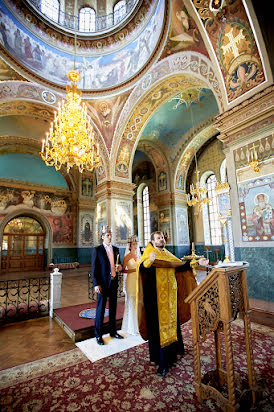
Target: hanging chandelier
column 198, row 194
column 70, row 140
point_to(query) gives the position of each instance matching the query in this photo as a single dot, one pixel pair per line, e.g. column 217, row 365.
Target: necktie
column 111, row 261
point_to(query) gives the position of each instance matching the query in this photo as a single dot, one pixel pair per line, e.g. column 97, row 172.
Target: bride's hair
column 131, row 240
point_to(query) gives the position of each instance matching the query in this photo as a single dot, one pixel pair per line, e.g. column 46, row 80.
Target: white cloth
column 130, row 323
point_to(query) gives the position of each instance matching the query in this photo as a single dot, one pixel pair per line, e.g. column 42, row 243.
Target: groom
column 105, row 281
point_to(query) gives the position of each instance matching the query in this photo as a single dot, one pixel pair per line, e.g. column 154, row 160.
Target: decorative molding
column 253, row 114
column 112, row 189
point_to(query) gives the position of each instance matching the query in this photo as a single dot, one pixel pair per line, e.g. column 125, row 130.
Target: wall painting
column 86, row 228
column 123, row 221
column 182, row 226
column 164, row 224
column 256, row 202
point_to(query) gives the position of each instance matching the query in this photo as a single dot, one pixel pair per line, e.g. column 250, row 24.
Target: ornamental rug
column 127, row 381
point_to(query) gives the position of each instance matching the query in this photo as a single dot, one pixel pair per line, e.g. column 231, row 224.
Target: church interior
column 180, row 100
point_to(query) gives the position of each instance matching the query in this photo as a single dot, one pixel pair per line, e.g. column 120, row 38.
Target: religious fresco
column 123, row 221
column 143, row 112
column 86, row 232
column 109, row 43
column 18, row 90
column 162, row 182
column 101, row 219
column 182, row 225
column 100, row 72
column 62, row 228
column 56, row 209
column 228, row 28
column 86, row 186
column 174, row 119
column 105, row 114
column 255, row 181
column 256, row 202
column 183, row 33
column 154, row 221
column 164, row 224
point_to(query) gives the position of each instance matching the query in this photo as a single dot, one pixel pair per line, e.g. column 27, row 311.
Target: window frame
column 146, row 215
column 90, row 21
column 49, row 9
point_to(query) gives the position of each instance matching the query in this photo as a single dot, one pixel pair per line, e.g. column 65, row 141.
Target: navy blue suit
column 101, row 276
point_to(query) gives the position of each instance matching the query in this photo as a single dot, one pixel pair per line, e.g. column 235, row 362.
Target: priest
column 164, row 281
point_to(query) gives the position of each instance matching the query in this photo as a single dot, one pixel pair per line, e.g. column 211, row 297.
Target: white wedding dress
column 130, row 323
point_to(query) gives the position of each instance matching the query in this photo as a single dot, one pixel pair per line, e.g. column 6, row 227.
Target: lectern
column 214, row 304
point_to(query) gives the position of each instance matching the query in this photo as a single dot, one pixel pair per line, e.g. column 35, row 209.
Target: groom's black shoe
column 100, row 340
column 117, row 336
column 161, row 371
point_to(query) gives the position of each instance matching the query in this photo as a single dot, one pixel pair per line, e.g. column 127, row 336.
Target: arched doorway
column 23, row 245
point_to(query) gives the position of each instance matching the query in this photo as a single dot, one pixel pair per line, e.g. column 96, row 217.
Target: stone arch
column 158, row 159
column 40, row 218
column 175, row 72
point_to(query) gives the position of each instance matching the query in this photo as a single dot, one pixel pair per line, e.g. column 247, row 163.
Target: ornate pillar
column 115, row 209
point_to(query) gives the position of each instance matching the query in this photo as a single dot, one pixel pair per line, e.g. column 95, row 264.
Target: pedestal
column 55, row 290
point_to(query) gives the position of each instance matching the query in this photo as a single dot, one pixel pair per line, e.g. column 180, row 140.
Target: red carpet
column 70, row 315
column 127, row 381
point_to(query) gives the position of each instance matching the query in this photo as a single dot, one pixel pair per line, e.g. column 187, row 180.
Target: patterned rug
column 127, row 381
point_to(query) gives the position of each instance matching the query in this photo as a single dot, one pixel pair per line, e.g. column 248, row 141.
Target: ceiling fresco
column 105, row 115
column 146, row 108
column 95, row 43
column 230, row 33
column 97, row 73
column 183, row 33
column 178, row 115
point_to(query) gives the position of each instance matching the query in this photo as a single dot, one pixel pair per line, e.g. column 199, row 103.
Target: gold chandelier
column 70, row 140
column 197, row 195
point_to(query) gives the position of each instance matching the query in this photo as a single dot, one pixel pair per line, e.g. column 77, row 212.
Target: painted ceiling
column 106, row 71
column 139, row 82
column 175, row 118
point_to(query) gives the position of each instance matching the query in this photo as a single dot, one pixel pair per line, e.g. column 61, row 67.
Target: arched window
column 214, row 221
column 146, row 215
column 87, row 18
column 119, row 11
column 50, row 8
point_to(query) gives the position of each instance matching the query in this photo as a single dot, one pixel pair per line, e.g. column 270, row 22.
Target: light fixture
column 252, row 159
column 197, row 195
column 254, row 155
column 70, row 140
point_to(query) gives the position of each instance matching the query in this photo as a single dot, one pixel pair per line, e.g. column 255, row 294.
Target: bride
column 132, row 256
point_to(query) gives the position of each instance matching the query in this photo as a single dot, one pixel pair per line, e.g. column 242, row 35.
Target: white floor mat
column 95, row 352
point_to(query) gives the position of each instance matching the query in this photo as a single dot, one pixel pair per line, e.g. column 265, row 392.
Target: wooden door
column 23, row 245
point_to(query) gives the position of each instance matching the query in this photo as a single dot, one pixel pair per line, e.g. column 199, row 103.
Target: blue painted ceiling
column 171, row 122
